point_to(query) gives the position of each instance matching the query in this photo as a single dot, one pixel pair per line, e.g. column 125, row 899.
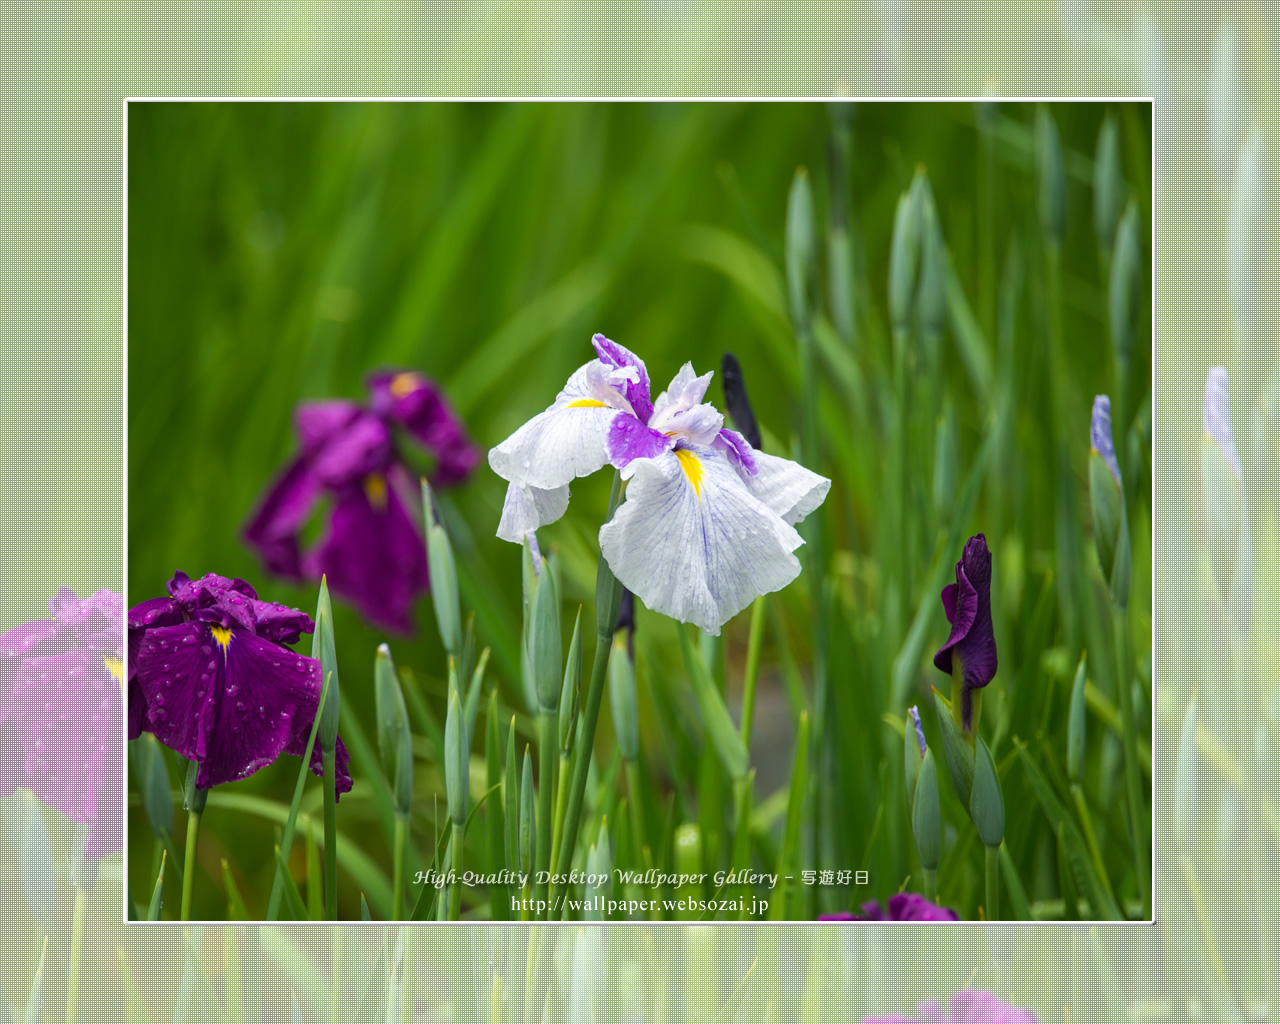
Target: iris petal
column 789, row 489
column 699, row 555
column 530, row 508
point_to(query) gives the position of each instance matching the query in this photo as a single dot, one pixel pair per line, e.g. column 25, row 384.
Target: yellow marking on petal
column 586, row 403
column 222, row 637
column 375, row 489
column 692, row 469
column 404, row 383
column 114, row 667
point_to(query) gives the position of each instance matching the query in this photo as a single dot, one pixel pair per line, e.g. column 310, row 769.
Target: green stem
column 578, row 786
column 548, row 740
column 755, row 640
column 993, row 883
column 562, row 780
column 637, row 813
column 330, row 766
column 455, row 890
column 189, row 863
column 77, row 947
column 931, row 884
column 1120, row 627
column 397, row 866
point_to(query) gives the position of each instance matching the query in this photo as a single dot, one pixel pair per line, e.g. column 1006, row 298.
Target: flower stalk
column 194, row 800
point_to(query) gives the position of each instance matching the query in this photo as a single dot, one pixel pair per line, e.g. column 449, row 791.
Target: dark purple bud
column 970, row 650
column 736, row 401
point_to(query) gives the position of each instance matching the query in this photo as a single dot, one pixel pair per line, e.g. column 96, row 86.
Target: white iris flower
column 708, row 523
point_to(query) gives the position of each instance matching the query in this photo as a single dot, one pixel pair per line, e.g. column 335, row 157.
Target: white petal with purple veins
column 528, row 508
column 692, row 542
column 787, row 487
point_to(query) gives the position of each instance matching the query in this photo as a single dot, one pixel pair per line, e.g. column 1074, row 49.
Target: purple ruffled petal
column 231, row 700
column 373, row 554
column 417, row 404
column 273, row 530
column 739, row 451
column 630, row 439
column 967, row 603
column 636, row 392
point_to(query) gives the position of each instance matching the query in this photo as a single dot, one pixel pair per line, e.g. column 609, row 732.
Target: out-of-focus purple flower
column 214, row 681
column 1217, row 416
column 60, row 706
column 970, row 650
column 965, row 1008
column 373, row 552
column 903, row 906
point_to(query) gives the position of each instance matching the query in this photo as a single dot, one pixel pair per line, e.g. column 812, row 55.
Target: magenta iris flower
column 372, row 553
column 60, row 707
column 210, row 676
column 965, row 1008
column 971, row 647
column 903, row 906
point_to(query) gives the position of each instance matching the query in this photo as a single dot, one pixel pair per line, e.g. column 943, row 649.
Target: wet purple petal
column 739, row 451
column 636, row 392
column 967, row 603
column 629, row 439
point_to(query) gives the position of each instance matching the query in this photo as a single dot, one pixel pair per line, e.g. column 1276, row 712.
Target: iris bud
column 527, row 824
column 544, row 642
column 394, row 744
column 444, row 577
column 1076, row 726
column 1109, row 188
column 1053, row 185
column 801, row 249
column 569, row 691
column 457, row 758
column 1125, row 278
column 904, row 258
column 986, row 803
column 926, row 814
column 324, row 651
column 1226, row 512
column 622, row 698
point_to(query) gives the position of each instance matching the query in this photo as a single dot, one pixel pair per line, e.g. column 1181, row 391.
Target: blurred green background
column 279, row 252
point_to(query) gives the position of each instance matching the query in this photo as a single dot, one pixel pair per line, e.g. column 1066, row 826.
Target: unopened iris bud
column 932, row 296
column 904, row 259
column 193, row 798
column 926, row 814
column 945, row 460
column 801, row 249
column 914, row 749
column 544, row 642
column 1053, row 185
column 1109, row 188
column 570, row 689
column 1076, row 726
column 1106, row 495
column 444, row 576
column 323, row 649
column 1226, row 512
column 1184, row 780
column 1125, row 280
column 511, row 802
column 527, row 824
column 457, row 759
column 600, row 863
column 737, row 402
column 395, row 746
column 986, row 802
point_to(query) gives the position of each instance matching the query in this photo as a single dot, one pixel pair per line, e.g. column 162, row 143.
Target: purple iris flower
column 210, row 676
column 373, row 553
column 60, row 706
column 971, row 647
column 903, row 906
column 965, row 1008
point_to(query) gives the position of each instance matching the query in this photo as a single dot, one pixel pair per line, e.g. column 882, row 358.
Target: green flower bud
column 1053, row 184
column 932, row 297
column 395, row 746
column 926, row 814
column 913, row 750
column 528, row 827
column 986, row 803
column 960, row 756
column 457, row 757
column 801, row 249
column 1106, row 497
column 444, row 577
column 1125, row 279
column 323, row 650
column 1109, row 189
column 153, row 780
column 511, row 802
column 544, row 642
column 904, row 259
column 193, row 799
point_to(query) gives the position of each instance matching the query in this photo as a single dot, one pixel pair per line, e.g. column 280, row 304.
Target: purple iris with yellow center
column 969, row 655
column 372, row 552
column 210, row 676
column 60, row 705
column 903, row 906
